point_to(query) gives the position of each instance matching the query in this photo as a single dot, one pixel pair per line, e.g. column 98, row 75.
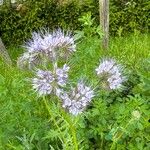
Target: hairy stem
column 69, row 121
column 54, row 60
column 72, row 129
column 49, row 112
column 116, row 139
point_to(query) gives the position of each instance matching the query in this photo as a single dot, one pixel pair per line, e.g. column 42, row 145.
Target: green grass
column 24, row 120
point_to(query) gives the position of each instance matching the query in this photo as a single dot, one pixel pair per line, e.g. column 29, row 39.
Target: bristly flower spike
column 47, row 82
column 50, row 46
column 64, row 41
column 111, row 73
column 43, row 83
column 77, row 100
column 63, row 44
column 34, row 45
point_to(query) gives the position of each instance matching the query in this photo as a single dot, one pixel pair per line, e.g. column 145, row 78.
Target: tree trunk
column 4, row 54
column 104, row 22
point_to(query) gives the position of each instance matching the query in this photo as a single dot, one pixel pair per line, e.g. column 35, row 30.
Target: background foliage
column 18, row 20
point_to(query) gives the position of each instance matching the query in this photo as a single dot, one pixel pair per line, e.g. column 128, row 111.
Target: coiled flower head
column 63, row 41
column 62, row 75
column 110, row 72
column 77, row 100
column 28, row 60
column 47, row 82
column 50, row 46
column 34, row 45
column 43, row 83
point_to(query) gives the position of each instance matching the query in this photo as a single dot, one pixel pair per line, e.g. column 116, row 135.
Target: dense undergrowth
column 114, row 120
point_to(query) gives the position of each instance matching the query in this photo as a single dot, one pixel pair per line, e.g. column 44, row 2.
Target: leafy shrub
column 17, row 25
column 19, row 20
column 110, row 126
column 126, row 16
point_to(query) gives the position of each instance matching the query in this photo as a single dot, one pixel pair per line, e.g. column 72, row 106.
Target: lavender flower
column 47, row 81
column 77, row 100
column 60, row 40
column 58, row 44
column 62, row 75
column 42, row 84
column 111, row 73
column 34, row 45
column 49, row 46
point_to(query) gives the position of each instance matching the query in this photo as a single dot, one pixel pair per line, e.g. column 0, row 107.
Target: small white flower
column 66, row 103
column 136, row 114
column 74, row 111
column 59, row 92
column 89, row 94
column 66, row 68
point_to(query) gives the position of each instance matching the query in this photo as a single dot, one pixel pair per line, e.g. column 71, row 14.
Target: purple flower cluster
column 48, row 42
column 47, row 81
column 43, row 83
column 62, row 75
column 46, row 45
column 77, row 100
column 44, row 48
column 111, row 73
column 60, row 40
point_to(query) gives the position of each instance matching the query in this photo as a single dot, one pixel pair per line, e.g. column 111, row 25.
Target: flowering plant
column 71, row 113
column 46, row 48
column 44, row 54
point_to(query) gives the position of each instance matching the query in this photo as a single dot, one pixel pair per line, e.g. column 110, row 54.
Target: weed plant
column 113, row 120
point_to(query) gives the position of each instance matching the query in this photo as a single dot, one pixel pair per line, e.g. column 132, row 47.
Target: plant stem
column 116, row 140
column 102, row 141
column 54, row 60
column 73, row 131
column 72, row 128
column 49, row 112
